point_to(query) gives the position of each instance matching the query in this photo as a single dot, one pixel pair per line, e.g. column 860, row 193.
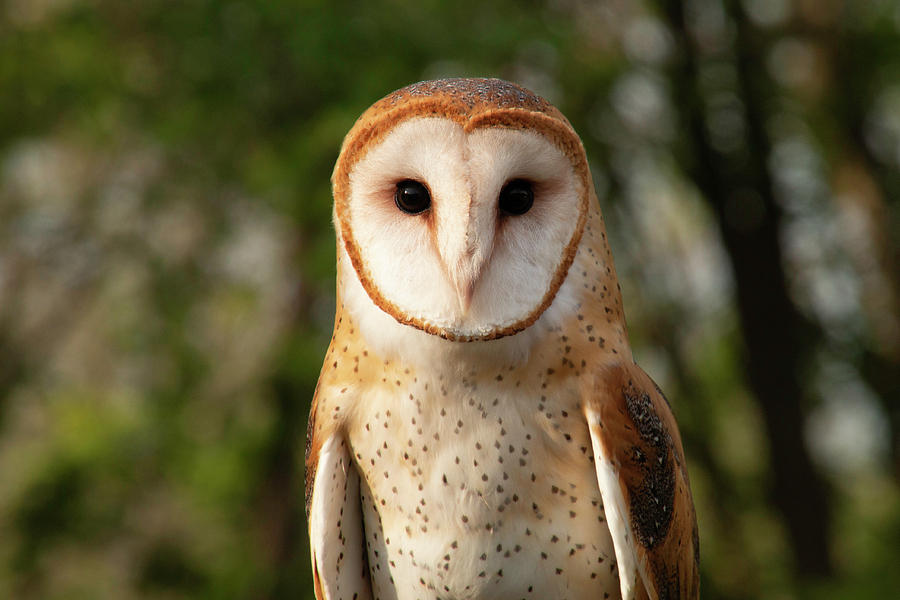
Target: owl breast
column 480, row 487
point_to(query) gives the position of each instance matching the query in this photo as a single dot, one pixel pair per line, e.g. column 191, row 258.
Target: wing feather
column 644, row 485
column 336, row 530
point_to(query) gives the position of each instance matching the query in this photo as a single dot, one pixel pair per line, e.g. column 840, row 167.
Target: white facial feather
column 399, row 249
column 423, row 264
column 393, row 340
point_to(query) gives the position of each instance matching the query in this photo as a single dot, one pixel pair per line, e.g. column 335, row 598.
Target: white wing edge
column 336, row 530
column 616, row 512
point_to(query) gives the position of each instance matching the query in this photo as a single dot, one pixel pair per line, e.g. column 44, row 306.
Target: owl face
column 458, row 226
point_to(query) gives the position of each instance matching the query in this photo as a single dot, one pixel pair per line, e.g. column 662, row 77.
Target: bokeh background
column 167, row 264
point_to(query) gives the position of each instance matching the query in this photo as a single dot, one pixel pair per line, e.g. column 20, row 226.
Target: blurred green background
column 166, row 268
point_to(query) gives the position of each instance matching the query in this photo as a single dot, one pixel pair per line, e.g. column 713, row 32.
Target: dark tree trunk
column 776, row 337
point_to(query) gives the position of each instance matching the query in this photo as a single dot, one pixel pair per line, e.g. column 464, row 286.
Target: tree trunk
column 776, row 337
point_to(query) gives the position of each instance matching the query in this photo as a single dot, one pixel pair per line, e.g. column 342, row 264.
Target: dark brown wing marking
column 637, row 434
column 652, row 492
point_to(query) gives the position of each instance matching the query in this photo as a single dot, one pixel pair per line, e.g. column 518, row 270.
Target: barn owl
column 479, row 428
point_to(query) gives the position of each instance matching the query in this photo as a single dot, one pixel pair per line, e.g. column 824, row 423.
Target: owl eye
column 516, row 197
column 412, row 197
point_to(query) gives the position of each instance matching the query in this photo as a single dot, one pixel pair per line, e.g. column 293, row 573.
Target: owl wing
column 334, row 514
column 644, row 485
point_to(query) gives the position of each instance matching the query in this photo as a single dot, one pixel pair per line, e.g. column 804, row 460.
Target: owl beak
column 464, row 292
column 466, row 240
column 467, row 271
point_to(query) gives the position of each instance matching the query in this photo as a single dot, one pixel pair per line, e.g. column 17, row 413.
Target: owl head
column 459, row 206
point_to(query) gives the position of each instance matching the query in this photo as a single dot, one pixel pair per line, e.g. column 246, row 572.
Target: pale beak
column 464, row 278
column 471, row 257
column 465, row 232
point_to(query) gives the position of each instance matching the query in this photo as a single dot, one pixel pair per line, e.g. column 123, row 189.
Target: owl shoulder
column 633, row 427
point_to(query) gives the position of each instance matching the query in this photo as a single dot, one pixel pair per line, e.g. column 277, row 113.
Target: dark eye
column 412, row 197
column 516, row 197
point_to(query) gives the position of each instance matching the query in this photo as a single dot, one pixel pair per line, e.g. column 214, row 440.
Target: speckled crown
column 471, row 102
column 473, row 94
